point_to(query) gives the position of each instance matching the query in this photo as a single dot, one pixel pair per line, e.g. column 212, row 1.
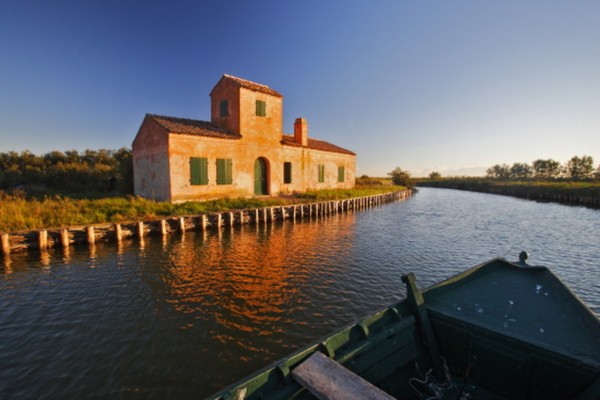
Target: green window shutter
column 224, row 108
column 321, row 173
column 224, row 171
column 261, row 108
column 287, row 172
column 198, row 171
column 341, row 174
column 229, row 164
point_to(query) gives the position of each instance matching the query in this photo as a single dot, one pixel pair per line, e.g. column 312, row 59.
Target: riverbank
column 19, row 213
column 269, row 210
column 565, row 192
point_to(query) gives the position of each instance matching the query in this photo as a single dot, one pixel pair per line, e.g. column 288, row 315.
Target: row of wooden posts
column 64, row 237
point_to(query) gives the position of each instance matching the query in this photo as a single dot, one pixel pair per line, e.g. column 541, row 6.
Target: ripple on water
column 184, row 316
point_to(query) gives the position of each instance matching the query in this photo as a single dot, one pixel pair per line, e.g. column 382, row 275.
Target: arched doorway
column 261, row 182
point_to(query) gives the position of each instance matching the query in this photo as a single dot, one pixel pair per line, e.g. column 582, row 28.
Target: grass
column 519, row 187
column 18, row 213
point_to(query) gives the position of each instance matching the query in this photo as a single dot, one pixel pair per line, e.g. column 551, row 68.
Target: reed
column 19, row 213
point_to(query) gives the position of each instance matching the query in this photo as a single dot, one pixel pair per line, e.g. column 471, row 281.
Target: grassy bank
column 18, row 213
column 563, row 191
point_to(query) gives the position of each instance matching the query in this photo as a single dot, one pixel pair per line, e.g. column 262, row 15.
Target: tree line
column 90, row 173
column 577, row 168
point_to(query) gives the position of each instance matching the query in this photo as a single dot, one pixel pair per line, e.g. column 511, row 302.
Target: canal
column 185, row 315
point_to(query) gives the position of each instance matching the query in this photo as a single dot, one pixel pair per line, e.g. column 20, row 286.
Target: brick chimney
column 301, row 131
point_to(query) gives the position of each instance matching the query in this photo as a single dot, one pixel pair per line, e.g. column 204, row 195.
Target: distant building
column 242, row 152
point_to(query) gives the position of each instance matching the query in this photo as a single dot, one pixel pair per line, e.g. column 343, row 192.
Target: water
column 184, row 316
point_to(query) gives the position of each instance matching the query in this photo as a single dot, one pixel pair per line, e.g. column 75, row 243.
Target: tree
column 597, row 174
column 435, row 175
column 498, row 171
column 546, row 169
column 580, row 168
column 91, row 172
column 520, row 171
column 401, row 177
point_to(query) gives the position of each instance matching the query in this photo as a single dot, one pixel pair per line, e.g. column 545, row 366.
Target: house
column 241, row 152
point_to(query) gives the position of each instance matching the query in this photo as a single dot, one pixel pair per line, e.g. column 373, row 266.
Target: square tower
column 249, row 109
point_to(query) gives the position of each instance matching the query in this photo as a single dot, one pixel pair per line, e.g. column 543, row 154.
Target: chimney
column 301, row 131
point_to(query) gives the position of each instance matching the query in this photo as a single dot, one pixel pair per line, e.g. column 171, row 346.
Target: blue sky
column 451, row 86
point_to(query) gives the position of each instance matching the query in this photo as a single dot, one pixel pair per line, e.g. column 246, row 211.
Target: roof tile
column 256, row 87
column 315, row 144
column 192, row 127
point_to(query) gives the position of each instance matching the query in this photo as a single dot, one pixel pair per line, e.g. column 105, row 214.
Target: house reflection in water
column 244, row 284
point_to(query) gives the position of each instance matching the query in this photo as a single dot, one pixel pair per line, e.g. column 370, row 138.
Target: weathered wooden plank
column 328, row 380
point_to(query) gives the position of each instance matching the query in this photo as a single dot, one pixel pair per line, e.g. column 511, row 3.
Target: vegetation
column 94, row 186
column 435, row 175
column 574, row 182
column 564, row 191
column 90, row 174
column 577, row 168
column 401, row 177
column 19, row 213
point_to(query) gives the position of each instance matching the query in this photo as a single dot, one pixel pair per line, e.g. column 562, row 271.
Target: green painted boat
column 500, row 330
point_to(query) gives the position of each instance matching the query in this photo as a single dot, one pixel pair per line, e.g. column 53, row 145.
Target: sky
column 447, row 86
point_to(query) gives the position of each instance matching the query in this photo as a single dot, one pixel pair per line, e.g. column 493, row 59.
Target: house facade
column 241, row 152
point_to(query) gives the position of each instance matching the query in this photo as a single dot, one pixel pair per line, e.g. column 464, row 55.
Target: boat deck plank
column 329, row 380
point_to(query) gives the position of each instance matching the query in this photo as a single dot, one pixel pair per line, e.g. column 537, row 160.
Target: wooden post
column 118, row 232
column 231, row 219
column 163, row 227
column 43, row 239
column 203, row 222
column 5, row 244
column 64, row 238
column 181, row 224
column 140, row 229
column 241, row 217
column 264, row 215
column 91, row 236
column 272, row 214
column 219, row 217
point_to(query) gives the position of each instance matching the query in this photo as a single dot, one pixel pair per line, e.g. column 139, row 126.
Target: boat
column 500, row 330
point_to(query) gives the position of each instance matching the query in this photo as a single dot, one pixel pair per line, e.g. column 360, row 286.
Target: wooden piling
column 64, row 238
column 118, row 233
column 43, row 239
column 5, row 244
column 91, row 236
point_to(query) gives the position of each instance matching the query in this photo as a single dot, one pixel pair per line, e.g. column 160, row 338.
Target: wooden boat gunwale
column 402, row 320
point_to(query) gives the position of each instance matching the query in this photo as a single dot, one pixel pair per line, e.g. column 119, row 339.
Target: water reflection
column 246, row 282
column 181, row 316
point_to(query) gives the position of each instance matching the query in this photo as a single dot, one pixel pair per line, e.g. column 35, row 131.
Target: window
column 224, row 171
column 224, row 108
column 341, row 173
column 321, row 172
column 261, row 108
column 287, row 172
column 198, row 171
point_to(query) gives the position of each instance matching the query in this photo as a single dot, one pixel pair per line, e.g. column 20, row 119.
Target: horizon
column 453, row 88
